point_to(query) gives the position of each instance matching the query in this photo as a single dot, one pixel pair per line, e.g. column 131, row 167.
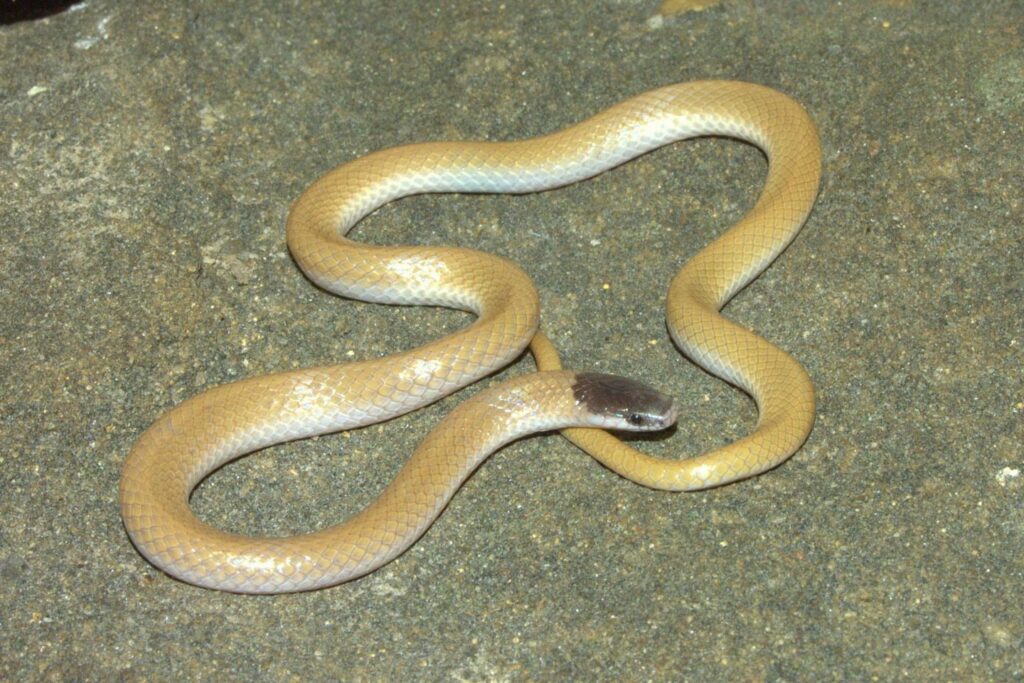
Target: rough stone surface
column 150, row 152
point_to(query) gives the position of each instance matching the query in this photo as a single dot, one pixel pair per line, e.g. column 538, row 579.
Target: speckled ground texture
column 150, row 153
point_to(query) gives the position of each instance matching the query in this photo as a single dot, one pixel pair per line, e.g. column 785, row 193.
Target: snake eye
column 636, row 419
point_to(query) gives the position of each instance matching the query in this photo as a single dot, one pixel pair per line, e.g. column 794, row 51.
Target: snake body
column 199, row 435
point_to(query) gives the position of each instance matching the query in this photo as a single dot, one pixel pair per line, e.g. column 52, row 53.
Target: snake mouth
column 621, row 403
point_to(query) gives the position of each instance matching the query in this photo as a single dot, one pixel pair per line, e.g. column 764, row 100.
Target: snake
column 223, row 423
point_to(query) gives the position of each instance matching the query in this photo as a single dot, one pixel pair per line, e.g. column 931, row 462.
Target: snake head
column 618, row 403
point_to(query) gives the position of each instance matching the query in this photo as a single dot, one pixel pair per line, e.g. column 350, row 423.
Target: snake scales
column 198, row 436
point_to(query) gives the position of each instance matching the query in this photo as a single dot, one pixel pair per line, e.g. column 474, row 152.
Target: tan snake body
column 225, row 422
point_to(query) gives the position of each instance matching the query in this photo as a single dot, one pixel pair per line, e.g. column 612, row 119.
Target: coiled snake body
column 223, row 423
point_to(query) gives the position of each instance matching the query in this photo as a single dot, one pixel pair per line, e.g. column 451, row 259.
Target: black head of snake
column 624, row 403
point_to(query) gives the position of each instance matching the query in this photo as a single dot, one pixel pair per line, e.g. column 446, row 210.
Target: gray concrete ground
column 150, row 154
